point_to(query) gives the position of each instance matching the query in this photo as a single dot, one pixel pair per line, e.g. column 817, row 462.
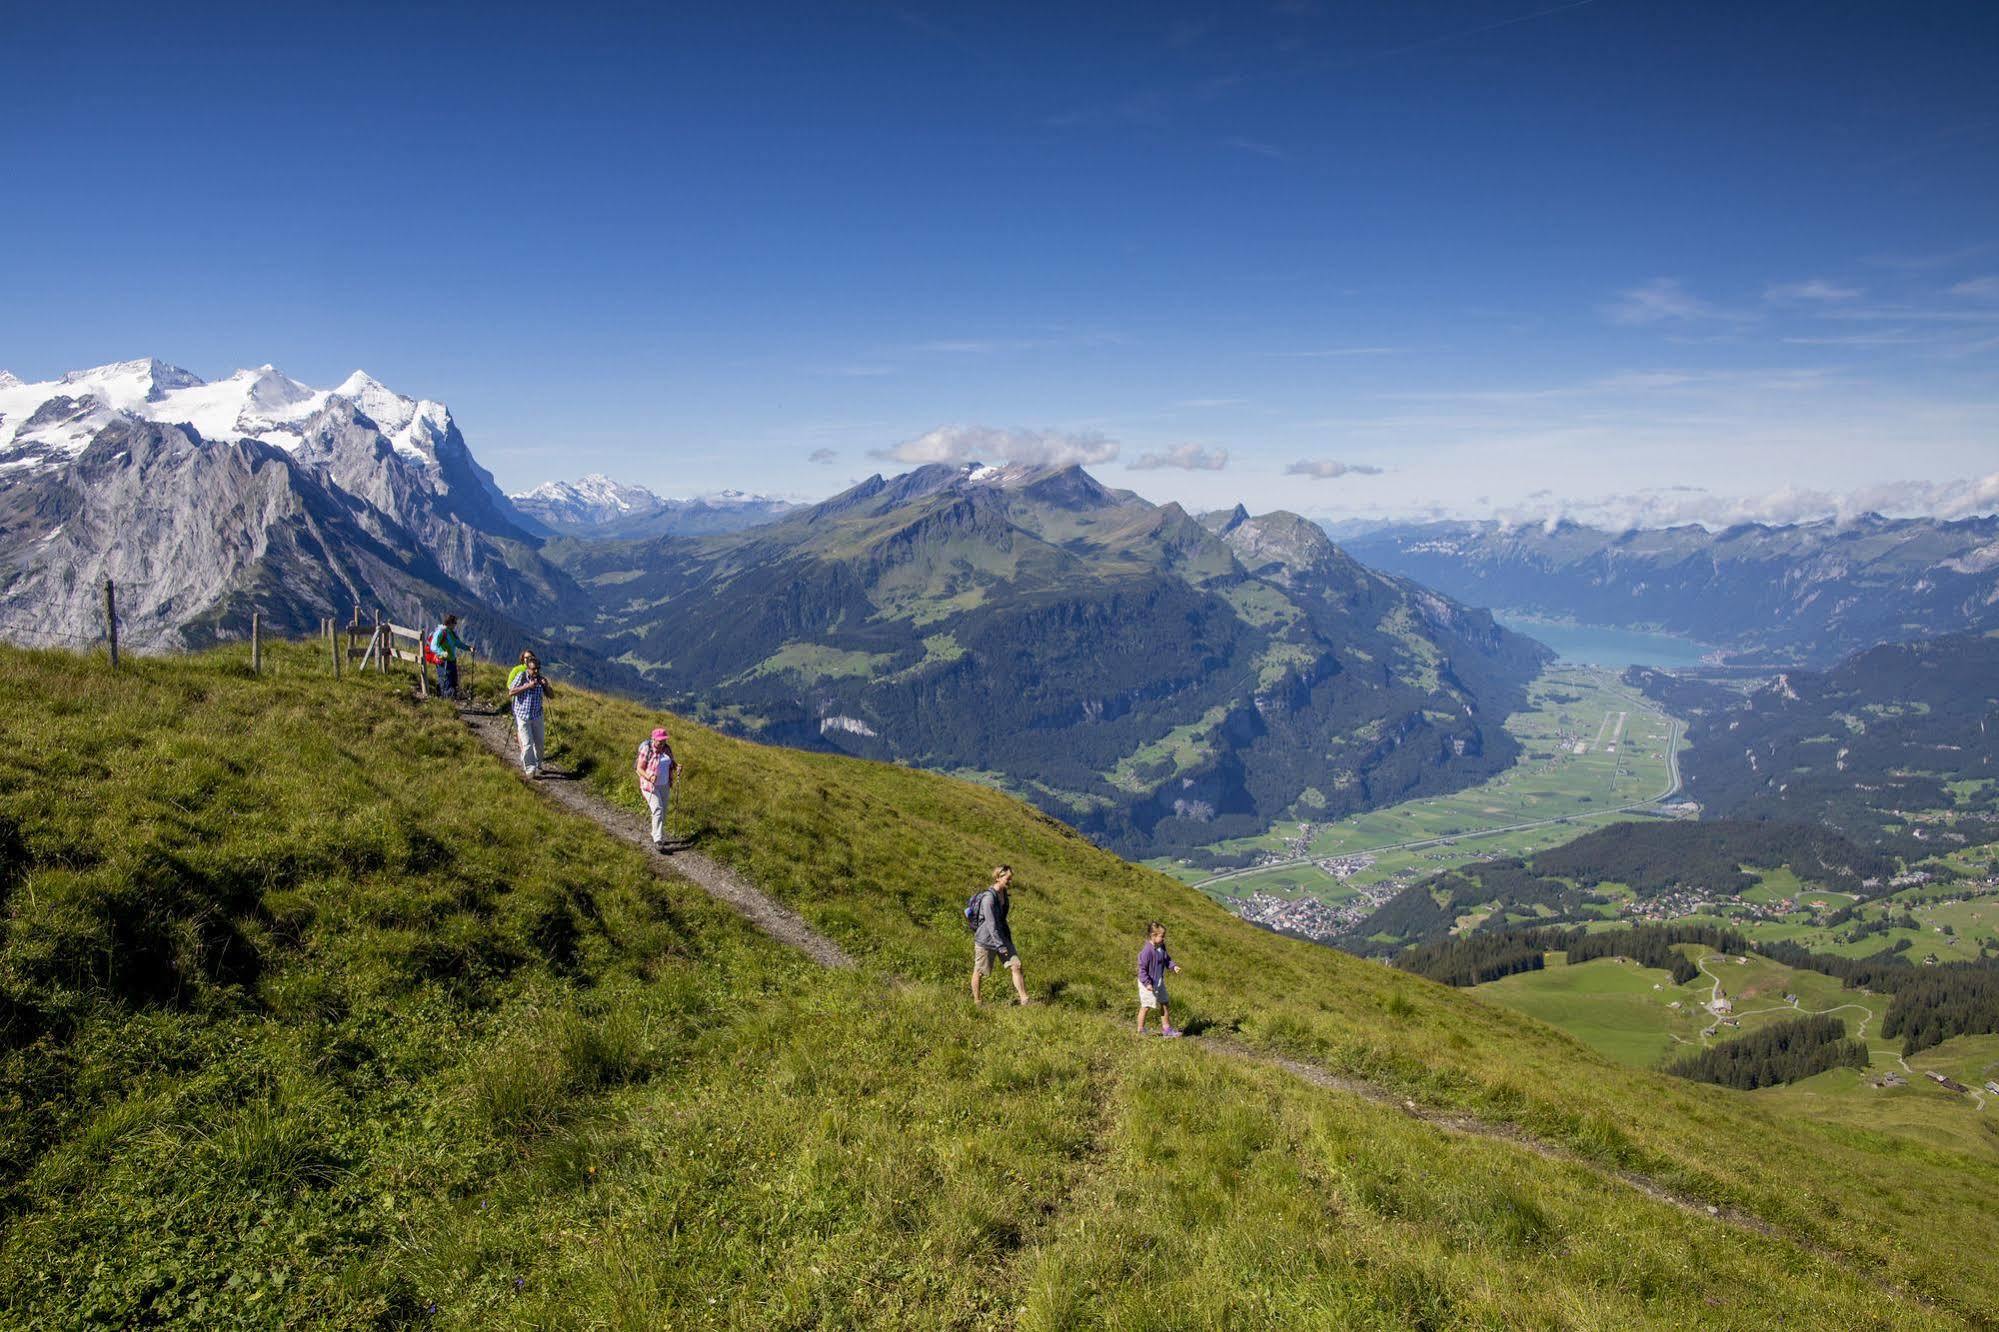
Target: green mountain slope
column 1154, row 680
column 1897, row 746
column 311, row 1013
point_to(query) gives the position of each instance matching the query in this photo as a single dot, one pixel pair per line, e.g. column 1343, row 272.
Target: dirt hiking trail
column 496, row 732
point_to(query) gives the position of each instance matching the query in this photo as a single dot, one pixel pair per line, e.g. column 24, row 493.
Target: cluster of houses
column 1700, row 902
column 1311, row 918
column 1944, row 1081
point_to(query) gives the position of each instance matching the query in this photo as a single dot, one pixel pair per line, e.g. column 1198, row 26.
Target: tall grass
column 311, row 1013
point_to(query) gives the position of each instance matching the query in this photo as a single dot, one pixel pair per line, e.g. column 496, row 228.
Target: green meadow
column 312, row 1013
column 1626, row 1012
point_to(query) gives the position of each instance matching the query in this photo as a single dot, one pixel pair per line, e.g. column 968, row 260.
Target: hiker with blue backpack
column 441, row 650
column 992, row 937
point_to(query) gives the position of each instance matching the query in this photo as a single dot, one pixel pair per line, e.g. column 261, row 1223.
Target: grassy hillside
column 310, row 1012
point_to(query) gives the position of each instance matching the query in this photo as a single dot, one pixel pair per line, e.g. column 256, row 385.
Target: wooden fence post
column 111, row 621
column 375, row 643
column 256, row 643
column 333, row 646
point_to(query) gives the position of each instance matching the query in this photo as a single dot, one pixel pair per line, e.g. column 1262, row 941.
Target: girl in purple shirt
column 1153, row 964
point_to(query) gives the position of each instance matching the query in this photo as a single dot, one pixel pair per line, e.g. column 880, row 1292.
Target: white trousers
column 656, row 802
column 531, row 733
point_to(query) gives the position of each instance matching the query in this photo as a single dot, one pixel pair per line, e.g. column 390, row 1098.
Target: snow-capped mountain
column 205, row 500
column 46, row 424
column 592, row 501
column 598, row 507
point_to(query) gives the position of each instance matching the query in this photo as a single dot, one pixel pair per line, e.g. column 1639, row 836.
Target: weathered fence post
column 333, row 645
column 256, row 643
column 375, row 644
column 111, row 621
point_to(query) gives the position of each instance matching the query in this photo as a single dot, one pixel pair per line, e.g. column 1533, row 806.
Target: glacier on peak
column 263, row 404
column 597, row 505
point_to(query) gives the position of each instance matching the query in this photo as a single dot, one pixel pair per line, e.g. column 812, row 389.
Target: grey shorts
column 982, row 958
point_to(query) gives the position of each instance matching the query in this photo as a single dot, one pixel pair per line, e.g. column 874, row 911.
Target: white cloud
column 1255, row 146
column 1329, row 352
column 823, row 455
column 1978, row 288
column 1324, row 469
column 1186, row 457
column 1678, row 505
column 1811, row 290
column 1662, row 300
column 970, row 443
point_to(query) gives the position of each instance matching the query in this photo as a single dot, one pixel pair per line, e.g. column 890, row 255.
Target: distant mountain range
column 598, row 508
column 1156, row 679
column 1806, row 593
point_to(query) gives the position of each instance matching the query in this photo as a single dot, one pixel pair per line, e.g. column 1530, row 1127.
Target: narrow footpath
column 496, row 732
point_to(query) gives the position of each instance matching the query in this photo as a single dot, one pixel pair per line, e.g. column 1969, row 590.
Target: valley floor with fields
column 1594, row 751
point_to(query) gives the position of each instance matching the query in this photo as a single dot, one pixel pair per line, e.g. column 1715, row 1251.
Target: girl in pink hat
column 657, row 772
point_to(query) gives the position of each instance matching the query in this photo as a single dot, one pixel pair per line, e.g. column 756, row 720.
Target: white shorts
column 1151, row 998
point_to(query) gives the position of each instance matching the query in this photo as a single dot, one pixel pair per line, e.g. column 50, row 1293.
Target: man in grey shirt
column 993, row 937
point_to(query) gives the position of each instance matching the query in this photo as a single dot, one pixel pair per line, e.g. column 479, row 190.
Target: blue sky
column 1350, row 259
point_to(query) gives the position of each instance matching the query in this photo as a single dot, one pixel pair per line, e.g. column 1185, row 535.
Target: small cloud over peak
column 1324, row 469
column 1186, row 457
column 1810, row 291
column 823, row 456
column 967, row 443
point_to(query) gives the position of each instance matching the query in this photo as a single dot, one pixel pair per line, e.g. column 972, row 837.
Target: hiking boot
column 1172, row 1033
column 660, row 846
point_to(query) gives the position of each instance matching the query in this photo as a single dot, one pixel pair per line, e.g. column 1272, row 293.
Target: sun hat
column 659, row 733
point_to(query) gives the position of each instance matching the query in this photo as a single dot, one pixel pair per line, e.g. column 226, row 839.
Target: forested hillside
column 312, row 1012
column 1647, row 859
column 1898, row 747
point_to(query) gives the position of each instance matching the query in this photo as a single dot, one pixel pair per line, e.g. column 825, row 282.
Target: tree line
column 1781, row 1052
column 1652, row 858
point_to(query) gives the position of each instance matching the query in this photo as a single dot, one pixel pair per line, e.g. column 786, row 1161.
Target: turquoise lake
column 1600, row 645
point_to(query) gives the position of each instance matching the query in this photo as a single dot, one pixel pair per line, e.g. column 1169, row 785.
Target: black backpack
column 974, row 912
